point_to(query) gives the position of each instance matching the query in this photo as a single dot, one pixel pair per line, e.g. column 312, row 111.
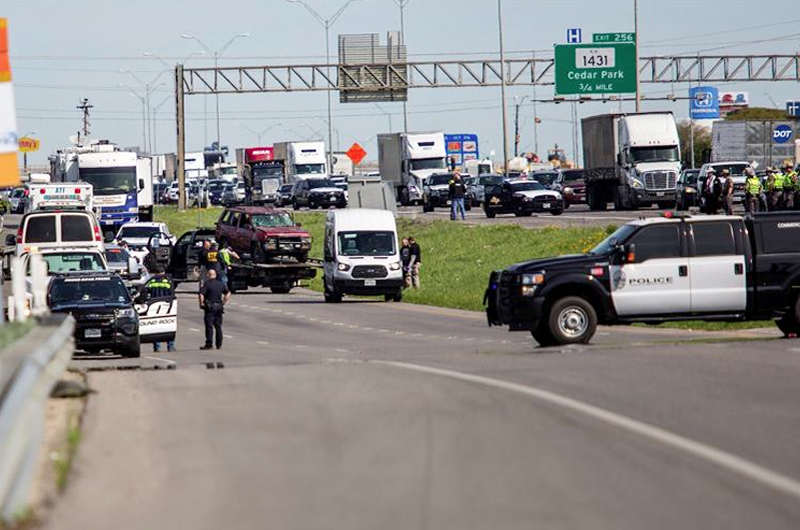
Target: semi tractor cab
column 407, row 160
column 714, row 268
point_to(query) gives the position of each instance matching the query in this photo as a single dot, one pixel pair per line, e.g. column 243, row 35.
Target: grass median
column 457, row 257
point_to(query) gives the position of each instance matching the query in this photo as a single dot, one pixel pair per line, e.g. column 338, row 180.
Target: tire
column 282, row 289
column 595, row 204
column 556, row 212
column 789, row 324
column 542, row 335
column 427, row 207
column 491, row 214
column 132, row 352
column 566, row 205
column 396, row 297
column 572, row 320
column 295, row 206
column 302, row 258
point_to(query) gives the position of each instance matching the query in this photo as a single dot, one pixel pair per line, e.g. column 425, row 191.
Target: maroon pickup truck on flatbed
column 264, row 233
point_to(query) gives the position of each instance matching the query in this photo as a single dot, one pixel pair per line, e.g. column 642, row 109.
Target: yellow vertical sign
column 9, row 171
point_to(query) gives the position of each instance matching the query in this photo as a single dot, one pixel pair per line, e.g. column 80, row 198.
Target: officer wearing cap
column 727, row 192
column 752, row 191
column 710, row 193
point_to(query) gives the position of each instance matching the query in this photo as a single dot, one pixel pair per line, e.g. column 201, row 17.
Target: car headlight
column 127, row 312
column 529, row 283
column 272, row 244
column 635, row 183
column 394, row 266
column 305, row 240
column 344, row 267
column 567, row 190
column 691, row 190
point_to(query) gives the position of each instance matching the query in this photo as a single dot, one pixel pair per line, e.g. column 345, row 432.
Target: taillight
column 19, row 236
column 97, row 236
column 77, row 191
column 41, row 191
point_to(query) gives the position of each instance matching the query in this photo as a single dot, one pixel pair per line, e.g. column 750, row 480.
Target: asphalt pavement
column 383, row 415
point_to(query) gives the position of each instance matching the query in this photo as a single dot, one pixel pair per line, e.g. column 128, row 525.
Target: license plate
column 659, row 194
column 546, row 205
column 370, row 283
column 92, row 333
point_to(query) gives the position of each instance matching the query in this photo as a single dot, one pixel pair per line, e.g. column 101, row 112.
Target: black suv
column 105, row 318
column 317, row 193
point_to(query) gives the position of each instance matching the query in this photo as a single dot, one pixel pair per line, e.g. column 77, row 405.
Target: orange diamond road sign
column 356, row 153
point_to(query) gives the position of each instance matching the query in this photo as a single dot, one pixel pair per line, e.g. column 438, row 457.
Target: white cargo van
column 362, row 256
column 45, row 229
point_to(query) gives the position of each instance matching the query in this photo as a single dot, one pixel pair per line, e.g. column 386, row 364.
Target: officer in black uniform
column 160, row 286
column 213, row 296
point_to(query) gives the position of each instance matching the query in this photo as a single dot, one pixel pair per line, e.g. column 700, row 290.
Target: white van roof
column 362, row 219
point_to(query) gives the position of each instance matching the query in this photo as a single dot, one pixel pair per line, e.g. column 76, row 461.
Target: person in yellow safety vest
column 160, row 286
column 775, row 186
column 789, row 181
column 225, row 254
column 752, row 191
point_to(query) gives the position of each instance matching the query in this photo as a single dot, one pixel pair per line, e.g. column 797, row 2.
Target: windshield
column 488, row 181
column 106, row 288
column 117, row 255
column 216, row 186
column 110, row 180
column 268, row 171
column 736, row 170
column 138, row 231
column 286, row 188
column 655, row 154
column 438, row 180
column 272, row 220
column 366, row 243
column 546, row 178
column 573, row 176
column 320, row 183
column 427, row 163
column 73, row 262
column 227, row 171
column 527, row 186
column 309, row 169
column 690, row 177
column 619, row 236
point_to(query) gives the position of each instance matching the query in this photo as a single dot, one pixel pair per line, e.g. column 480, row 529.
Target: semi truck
column 301, row 160
column 121, row 180
column 632, row 160
column 263, row 175
column 406, row 160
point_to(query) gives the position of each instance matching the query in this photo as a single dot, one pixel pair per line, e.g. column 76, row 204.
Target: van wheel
column 396, row 297
column 572, row 320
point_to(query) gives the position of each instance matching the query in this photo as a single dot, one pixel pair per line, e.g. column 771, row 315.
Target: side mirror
column 299, row 225
column 11, row 240
column 141, row 184
column 629, row 254
column 134, row 272
column 620, row 159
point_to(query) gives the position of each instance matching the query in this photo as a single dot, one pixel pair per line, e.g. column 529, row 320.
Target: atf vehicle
column 723, row 268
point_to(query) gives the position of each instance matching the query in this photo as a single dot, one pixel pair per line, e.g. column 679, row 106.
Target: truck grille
column 370, row 271
column 289, row 243
column 660, row 180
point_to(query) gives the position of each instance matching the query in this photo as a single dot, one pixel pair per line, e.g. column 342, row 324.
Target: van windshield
column 365, row 243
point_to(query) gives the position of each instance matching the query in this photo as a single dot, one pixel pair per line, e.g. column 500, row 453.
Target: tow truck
column 281, row 275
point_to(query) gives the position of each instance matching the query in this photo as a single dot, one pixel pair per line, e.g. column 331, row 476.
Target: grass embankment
column 457, row 257
column 12, row 331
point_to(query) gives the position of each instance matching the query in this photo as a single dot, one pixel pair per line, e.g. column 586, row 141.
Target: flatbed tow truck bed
column 280, row 276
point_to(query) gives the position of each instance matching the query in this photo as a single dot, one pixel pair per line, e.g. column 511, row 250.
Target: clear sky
column 66, row 50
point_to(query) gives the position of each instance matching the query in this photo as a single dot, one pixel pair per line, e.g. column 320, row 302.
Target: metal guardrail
column 29, row 369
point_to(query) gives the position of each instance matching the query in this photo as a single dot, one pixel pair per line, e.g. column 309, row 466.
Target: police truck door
column 716, row 268
column 656, row 281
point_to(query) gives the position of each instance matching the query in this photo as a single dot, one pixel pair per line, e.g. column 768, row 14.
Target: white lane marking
column 193, row 329
column 723, row 459
column 340, row 350
column 265, row 343
column 228, row 336
column 171, row 363
column 301, row 346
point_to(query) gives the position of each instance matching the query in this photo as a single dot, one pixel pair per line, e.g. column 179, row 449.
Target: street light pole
column 144, row 113
column 25, row 154
column 259, row 134
column 636, row 50
column 326, row 23
column 502, row 82
column 216, row 54
column 402, row 5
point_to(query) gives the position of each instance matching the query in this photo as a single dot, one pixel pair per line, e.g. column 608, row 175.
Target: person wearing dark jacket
column 213, row 297
column 405, row 262
column 458, row 190
column 416, row 261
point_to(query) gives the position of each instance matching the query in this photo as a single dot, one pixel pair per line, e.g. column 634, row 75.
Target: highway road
column 382, row 415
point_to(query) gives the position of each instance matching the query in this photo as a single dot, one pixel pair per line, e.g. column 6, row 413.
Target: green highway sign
column 614, row 37
column 595, row 69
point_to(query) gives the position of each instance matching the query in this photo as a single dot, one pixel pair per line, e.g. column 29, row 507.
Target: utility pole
column 85, row 106
column 636, row 46
column 402, row 5
column 517, row 104
column 535, row 115
column 181, row 126
column 502, row 83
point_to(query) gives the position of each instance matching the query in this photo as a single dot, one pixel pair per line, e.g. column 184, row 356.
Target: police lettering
column 665, row 280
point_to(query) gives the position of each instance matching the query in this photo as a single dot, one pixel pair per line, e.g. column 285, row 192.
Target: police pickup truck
column 724, row 268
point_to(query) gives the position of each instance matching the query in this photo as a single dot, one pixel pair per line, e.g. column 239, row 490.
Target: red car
column 570, row 184
column 263, row 232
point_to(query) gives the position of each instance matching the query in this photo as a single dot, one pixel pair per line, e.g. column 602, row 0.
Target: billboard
column 9, row 170
column 704, row 103
column 461, row 147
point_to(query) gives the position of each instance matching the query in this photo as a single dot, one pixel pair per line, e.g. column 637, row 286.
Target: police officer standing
column 775, row 186
column 711, row 192
column 226, row 255
column 213, row 297
column 160, row 286
column 727, row 192
column 458, row 191
column 752, row 191
column 789, row 186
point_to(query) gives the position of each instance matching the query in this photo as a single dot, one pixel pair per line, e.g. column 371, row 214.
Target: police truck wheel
column 490, row 214
column 542, row 335
column 572, row 320
column 132, row 352
column 789, row 324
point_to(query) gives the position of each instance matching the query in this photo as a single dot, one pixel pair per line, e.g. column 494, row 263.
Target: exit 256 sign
column 595, row 68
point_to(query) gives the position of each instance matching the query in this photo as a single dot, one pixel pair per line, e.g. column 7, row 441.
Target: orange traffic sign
column 356, row 153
